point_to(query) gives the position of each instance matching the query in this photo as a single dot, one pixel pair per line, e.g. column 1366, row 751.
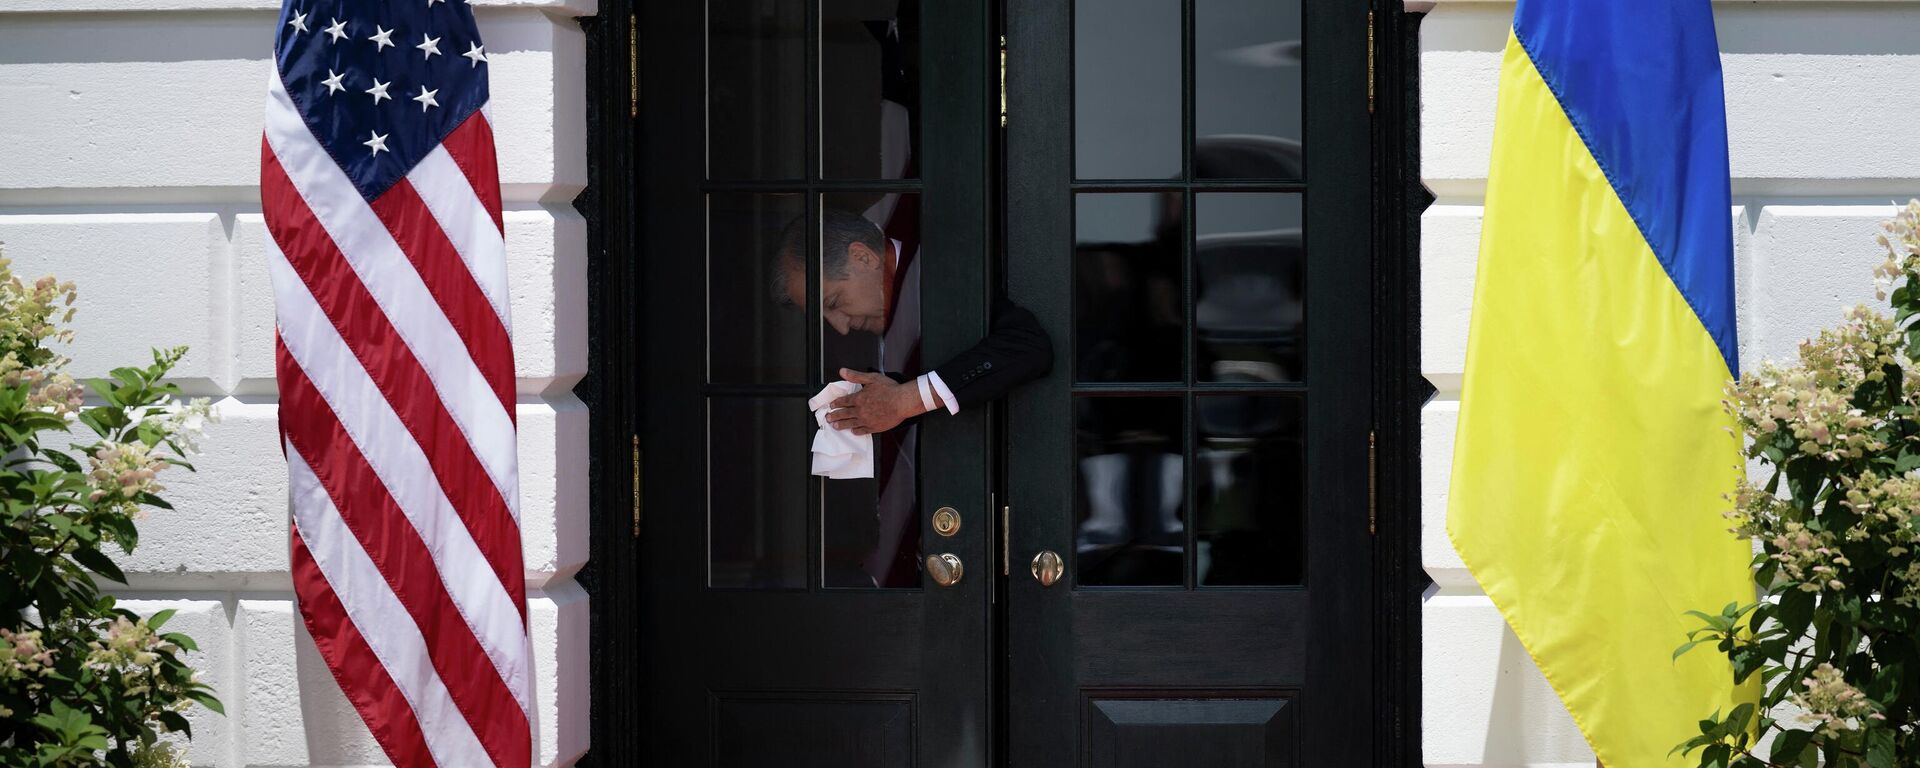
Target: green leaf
column 132, row 377
column 105, row 390
column 207, row 700
column 1684, row 647
column 160, row 617
column 1737, row 719
column 1796, row 611
column 98, row 563
column 186, row 643
column 174, row 722
column 1789, row 744
column 1880, row 748
column 104, row 420
column 63, row 461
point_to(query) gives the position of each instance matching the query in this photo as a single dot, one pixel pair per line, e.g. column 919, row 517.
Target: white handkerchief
column 838, row 454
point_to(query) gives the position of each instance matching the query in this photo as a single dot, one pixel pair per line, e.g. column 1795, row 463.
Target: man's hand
column 880, row 405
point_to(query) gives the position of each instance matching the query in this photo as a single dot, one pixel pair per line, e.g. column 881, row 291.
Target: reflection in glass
column 1126, row 89
column 1247, row 89
column 756, row 89
column 1249, row 295
column 757, row 489
column 870, row 320
column 1130, row 503
column 869, row 88
column 1250, row 489
column 1128, row 303
column 751, row 337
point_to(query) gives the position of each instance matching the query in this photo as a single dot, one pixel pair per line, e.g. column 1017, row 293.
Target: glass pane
column 1128, row 300
column 756, row 89
column 1248, row 466
column 1246, row 89
column 756, row 289
column 870, row 282
column 1131, row 499
column 870, row 533
column 757, row 492
column 1126, row 89
column 870, row 320
column 869, row 89
column 1249, row 292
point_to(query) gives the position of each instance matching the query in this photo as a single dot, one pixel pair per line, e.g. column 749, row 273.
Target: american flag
column 380, row 188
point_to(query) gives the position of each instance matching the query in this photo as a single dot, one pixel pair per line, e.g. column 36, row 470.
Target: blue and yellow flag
column 1592, row 452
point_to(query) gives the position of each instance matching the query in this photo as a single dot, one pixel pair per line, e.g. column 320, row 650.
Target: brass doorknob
column 1047, row 567
column 945, row 569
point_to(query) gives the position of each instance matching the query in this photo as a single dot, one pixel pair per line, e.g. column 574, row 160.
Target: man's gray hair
column 839, row 230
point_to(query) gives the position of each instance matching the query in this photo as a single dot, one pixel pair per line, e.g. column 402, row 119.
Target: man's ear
column 859, row 253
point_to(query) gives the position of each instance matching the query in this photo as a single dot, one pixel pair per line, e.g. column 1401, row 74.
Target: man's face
column 856, row 302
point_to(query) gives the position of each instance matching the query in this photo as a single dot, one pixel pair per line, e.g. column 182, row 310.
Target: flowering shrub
column 81, row 680
column 1834, row 641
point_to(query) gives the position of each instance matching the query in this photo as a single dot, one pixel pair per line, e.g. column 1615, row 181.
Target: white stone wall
column 129, row 159
column 129, row 143
column 1821, row 146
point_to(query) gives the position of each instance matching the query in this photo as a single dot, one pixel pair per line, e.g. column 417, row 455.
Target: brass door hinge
column 633, row 66
column 636, row 486
column 1003, row 81
column 1369, row 62
column 1372, row 496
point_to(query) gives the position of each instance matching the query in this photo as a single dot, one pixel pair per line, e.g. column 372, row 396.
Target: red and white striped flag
column 379, row 185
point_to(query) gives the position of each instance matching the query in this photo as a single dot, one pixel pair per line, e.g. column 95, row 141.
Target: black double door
column 1153, row 556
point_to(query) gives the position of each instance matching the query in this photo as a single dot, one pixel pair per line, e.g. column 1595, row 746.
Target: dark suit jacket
column 1015, row 351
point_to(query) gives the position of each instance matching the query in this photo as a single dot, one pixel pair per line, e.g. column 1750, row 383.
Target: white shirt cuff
column 932, row 380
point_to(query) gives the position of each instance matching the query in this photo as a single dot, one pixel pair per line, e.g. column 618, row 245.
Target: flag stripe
column 443, row 188
column 471, row 147
column 377, row 259
column 343, row 301
column 361, row 674
column 396, row 369
column 399, row 481
column 1591, row 452
column 1641, row 86
column 368, row 515
column 342, row 568
column 411, row 221
column 411, row 224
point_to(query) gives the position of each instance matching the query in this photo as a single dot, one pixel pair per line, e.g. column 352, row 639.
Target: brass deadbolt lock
column 946, row 521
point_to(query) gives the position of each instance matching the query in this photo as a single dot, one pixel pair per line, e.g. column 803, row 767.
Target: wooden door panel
column 1188, row 639
column 1153, row 729
column 813, row 729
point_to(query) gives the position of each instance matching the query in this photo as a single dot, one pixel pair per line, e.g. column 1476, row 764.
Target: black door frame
column 616, row 87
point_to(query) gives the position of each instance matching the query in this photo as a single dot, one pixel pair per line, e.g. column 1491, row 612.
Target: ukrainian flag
column 1592, row 452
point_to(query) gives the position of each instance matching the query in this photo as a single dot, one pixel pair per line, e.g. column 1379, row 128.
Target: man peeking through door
column 870, row 287
column 871, row 284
